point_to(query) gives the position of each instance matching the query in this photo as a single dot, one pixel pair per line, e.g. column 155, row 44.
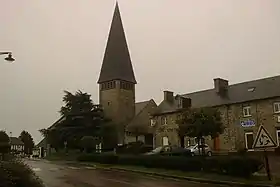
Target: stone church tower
column 117, row 81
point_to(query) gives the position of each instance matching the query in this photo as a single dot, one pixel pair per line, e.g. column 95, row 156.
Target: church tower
column 117, row 80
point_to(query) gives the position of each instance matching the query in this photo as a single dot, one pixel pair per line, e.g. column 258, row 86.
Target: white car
column 196, row 151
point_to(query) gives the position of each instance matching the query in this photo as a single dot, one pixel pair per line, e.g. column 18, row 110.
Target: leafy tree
column 199, row 123
column 52, row 137
column 82, row 118
column 76, row 103
column 88, row 143
column 27, row 139
column 4, row 144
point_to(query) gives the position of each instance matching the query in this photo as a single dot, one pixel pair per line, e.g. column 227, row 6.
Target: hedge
column 14, row 173
column 230, row 165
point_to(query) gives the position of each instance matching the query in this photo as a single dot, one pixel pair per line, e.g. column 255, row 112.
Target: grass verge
column 194, row 176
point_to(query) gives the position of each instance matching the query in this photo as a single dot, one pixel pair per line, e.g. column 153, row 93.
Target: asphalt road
column 65, row 175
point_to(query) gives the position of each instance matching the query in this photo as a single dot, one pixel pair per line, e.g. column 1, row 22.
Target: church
column 117, row 90
column 117, row 84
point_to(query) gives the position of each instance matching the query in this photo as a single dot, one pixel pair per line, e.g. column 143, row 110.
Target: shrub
column 277, row 151
column 88, row 143
column 15, row 173
column 103, row 158
column 235, row 166
column 4, row 144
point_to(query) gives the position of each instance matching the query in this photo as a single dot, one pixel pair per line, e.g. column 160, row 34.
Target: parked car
column 133, row 148
column 197, row 149
column 170, row 151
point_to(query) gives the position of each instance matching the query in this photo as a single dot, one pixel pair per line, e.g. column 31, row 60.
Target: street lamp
column 9, row 58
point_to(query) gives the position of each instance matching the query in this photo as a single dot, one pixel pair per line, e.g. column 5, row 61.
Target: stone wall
column 262, row 114
column 233, row 137
column 119, row 106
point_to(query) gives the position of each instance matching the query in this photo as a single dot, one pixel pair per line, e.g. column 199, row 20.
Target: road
column 65, row 175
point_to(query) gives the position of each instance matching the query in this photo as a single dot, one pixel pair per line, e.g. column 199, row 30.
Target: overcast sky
column 178, row 45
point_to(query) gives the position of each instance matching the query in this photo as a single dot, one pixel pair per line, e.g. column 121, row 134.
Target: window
column 276, row 107
column 164, row 141
column 153, row 122
column 278, row 137
column 247, row 111
column 249, row 140
column 179, row 102
column 164, row 120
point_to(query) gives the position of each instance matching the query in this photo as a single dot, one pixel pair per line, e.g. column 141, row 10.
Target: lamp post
column 9, row 58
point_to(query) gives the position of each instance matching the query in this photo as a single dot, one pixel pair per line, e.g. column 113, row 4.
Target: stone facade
column 118, row 102
column 262, row 113
column 140, row 129
column 235, row 135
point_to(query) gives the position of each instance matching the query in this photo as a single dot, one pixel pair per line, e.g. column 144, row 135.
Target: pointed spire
column 116, row 62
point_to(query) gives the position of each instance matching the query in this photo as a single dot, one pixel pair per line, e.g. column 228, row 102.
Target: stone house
column 243, row 106
column 17, row 145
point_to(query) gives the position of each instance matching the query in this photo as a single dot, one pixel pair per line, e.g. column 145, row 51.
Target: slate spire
column 116, row 61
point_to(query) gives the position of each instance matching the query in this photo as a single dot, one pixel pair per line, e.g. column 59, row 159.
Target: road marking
column 71, row 167
column 36, row 169
column 88, row 167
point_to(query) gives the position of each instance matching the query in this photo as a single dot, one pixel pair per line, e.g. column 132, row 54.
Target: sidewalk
column 256, row 181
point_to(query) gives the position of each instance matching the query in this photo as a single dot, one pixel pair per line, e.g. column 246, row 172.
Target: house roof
column 139, row 106
column 237, row 93
column 57, row 122
column 42, row 143
column 141, row 121
column 116, row 62
column 15, row 141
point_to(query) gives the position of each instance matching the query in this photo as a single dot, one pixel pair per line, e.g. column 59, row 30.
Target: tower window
column 126, row 85
column 108, row 85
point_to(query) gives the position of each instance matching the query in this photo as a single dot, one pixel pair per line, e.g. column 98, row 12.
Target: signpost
column 263, row 140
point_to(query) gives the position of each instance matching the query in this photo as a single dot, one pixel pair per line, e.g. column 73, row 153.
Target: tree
column 82, row 118
column 52, row 137
column 27, row 139
column 199, row 123
column 88, row 143
column 76, row 103
column 4, row 144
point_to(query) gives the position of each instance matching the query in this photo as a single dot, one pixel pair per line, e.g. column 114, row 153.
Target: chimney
column 221, row 86
column 168, row 96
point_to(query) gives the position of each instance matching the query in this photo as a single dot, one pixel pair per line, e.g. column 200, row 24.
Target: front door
column 216, row 143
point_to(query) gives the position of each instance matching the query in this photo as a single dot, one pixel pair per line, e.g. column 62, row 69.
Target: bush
column 88, row 143
column 104, row 158
column 235, row 166
column 277, row 151
column 135, row 148
column 15, row 173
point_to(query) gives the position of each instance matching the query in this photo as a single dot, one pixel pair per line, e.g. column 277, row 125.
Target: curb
column 194, row 179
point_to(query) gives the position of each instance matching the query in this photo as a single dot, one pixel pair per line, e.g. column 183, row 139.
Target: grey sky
column 179, row 45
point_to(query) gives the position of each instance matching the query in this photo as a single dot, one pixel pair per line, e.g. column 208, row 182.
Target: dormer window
column 180, row 102
column 251, row 89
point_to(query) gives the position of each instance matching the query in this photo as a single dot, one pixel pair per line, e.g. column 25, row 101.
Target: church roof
column 116, row 62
